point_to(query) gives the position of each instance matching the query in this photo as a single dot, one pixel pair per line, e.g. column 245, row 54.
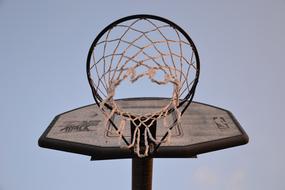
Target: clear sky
column 43, row 49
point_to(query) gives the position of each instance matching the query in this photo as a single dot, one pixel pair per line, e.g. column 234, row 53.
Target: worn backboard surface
column 203, row 128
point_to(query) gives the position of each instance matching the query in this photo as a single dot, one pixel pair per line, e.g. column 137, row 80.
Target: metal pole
column 142, row 173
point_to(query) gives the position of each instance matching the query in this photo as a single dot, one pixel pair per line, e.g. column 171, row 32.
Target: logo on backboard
column 79, row 126
column 221, row 122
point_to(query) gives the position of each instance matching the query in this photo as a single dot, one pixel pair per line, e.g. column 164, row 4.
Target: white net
column 137, row 49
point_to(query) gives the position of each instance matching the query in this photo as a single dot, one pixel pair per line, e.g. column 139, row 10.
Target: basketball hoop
column 136, row 47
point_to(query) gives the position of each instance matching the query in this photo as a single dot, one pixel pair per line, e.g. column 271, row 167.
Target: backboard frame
column 103, row 153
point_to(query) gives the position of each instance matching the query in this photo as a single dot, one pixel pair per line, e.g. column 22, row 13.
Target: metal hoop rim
column 188, row 98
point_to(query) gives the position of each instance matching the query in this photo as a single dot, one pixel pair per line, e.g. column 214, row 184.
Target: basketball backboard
column 203, row 128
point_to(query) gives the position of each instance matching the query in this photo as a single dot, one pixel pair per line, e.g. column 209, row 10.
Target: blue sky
column 43, row 49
